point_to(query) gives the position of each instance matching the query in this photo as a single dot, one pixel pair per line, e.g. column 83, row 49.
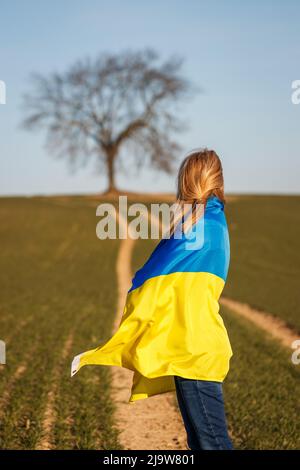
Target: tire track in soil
column 21, row 324
column 5, row 397
column 13, row 380
column 45, row 441
column 272, row 325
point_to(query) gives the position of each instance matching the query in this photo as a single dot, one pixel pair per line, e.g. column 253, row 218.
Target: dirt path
column 5, row 397
column 45, row 440
column 153, row 423
column 20, row 325
column 266, row 321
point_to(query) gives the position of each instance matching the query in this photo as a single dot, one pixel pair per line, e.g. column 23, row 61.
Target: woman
column 171, row 334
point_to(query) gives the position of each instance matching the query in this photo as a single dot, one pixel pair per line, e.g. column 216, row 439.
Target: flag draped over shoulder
column 171, row 323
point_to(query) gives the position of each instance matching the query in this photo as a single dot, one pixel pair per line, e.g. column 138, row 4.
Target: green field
column 265, row 255
column 58, row 288
column 261, row 389
column 57, row 278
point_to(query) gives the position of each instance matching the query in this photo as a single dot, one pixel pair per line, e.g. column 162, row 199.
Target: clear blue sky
column 244, row 54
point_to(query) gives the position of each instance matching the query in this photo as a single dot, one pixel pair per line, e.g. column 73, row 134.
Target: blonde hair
column 200, row 176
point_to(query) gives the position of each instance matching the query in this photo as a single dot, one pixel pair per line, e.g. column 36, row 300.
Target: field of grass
column 265, row 254
column 55, row 296
column 261, row 390
column 58, row 299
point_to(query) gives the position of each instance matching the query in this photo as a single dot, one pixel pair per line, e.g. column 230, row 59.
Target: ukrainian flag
column 171, row 323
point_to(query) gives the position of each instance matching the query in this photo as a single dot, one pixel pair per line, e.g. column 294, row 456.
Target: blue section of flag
column 174, row 255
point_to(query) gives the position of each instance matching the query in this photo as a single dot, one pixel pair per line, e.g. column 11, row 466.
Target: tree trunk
column 110, row 162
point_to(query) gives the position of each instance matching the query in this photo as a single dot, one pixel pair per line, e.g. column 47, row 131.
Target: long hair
column 200, row 176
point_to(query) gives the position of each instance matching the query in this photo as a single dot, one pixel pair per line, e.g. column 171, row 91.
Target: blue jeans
column 202, row 408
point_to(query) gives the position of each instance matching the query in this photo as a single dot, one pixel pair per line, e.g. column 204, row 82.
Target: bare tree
column 100, row 107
